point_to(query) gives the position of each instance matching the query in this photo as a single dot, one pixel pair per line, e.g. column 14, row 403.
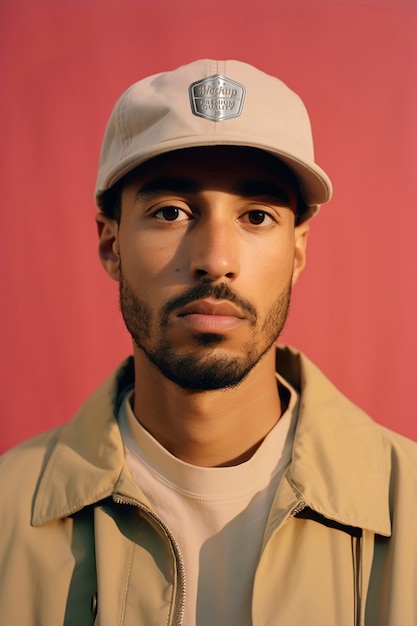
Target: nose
column 214, row 254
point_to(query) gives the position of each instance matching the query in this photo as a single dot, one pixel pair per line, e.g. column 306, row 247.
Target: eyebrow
column 183, row 185
column 266, row 190
column 167, row 184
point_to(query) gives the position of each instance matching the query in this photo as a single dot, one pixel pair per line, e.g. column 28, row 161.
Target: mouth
column 210, row 315
column 208, row 306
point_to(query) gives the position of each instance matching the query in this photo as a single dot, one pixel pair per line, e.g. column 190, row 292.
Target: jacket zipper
column 300, row 506
column 180, row 591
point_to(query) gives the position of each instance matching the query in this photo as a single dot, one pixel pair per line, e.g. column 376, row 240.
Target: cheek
column 271, row 268
column 267, row 279
column 146, row 263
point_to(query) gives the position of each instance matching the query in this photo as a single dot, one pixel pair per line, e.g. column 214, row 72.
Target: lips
column 211, row 307
column 211, row 316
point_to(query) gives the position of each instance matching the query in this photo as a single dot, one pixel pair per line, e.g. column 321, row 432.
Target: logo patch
column 217, row 98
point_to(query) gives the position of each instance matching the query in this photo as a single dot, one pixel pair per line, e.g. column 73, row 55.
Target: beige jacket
column 80, row 545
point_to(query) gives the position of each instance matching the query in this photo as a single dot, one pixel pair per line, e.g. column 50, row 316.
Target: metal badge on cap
column 217, row 98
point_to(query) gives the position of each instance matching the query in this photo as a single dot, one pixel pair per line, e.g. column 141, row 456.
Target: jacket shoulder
column 403, row 454
column 399, row 443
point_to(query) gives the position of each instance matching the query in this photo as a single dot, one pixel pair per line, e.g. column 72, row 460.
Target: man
column 214, row 478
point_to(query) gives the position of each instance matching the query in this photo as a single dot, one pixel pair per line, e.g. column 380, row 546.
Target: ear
column 108, row 244
column 300, row 250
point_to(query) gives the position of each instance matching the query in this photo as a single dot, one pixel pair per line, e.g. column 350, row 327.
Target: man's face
column 208, row 253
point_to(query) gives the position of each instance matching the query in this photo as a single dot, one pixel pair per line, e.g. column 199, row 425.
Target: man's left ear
column 300, row 251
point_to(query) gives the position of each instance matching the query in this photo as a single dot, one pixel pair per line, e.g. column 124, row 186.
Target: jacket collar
column 87, row 461
column 339, row 467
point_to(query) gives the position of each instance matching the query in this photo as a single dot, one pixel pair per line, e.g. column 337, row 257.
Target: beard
column 207, row 367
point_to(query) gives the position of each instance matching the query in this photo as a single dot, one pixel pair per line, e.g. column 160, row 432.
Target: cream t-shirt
column 217, row 515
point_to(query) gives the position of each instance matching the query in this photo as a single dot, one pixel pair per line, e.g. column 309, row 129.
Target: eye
column 257, row 217
column 171, row 214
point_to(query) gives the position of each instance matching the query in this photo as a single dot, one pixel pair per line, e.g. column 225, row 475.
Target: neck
column 208, row 428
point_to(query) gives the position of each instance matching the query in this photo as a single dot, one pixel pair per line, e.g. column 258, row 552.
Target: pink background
column 63, row 64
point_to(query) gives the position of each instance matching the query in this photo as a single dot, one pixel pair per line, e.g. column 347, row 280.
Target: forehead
column 217, row 167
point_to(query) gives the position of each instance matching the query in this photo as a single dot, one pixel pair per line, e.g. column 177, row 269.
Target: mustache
column 220, row 291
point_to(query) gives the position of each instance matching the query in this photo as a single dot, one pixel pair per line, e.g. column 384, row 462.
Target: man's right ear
column 108, row 244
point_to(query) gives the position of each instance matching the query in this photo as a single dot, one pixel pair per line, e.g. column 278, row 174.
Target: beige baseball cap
column 211, row 103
